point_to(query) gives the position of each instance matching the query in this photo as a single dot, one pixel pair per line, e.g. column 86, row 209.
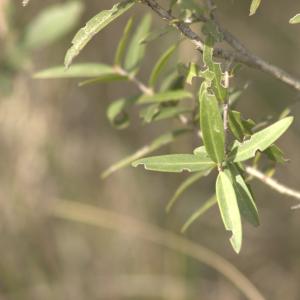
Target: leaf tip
column 236, row 245
column 295, row 19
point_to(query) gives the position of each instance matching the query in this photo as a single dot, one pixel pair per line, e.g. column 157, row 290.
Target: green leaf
column 171, row 112
column 176, row 163
column 201, row 151
column 156, row 144
column 295, row 19
column 191, row 7
column 199, row 212
column 217, row 81
column 211, row 29
column 161, row 63
column 211, row 125
column 52, row 23
column 237, row 125
column 155, row 34
column 94, row 26
column 254, row 6
column 275, row 153
column 123, row 42
column 87, row 70
column 172, row 81
column 136, row 50
column 229, row 209
column 184, row 186
column 149, row 112
column 116, row 111
column 192, row 72
column 175, row 95
column 259, row 141
column 104, row 78
column 245, row 200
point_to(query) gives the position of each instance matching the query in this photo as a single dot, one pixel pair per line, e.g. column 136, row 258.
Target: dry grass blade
column 98, row 217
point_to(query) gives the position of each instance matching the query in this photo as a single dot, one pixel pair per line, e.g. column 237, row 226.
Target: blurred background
column 55, row 140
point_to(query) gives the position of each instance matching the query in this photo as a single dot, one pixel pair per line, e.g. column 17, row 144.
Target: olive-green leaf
column 116, row 113
column 161, row 63
column 156, row 34
column 171, row 112
column 94, row 26
column 176, row 163
column 158, row 112
column 149, row 112
column 295, row 19
column 237, row 125
column 254, row 6
column 85, row 70
column 123, row 42
column 214, row 68
column 276, row 154
column 172, row 81
column 245, row 200
column 199, row 212
column 193, row 71
column 163, row 140
column 104, row 78
column 52, row 23
column 229, row 209
column 211, row 125
column 136, row 50
column 259, row 141
column 184, row 186
column 175, row 95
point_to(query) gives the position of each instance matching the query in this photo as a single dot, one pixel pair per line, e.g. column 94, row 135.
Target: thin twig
column 257, row 62
column 296, row 206
column 241, row 55
column 140, row 85
column 272, row 183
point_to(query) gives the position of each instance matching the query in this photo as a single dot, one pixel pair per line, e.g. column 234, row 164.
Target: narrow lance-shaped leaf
column 215, row 68
column 274, row 153
column 184, row 186
column 94, row 26
column 163, row 140
column 87, row 70
column 149, row 112
column 172, row 81
column 123, row 42
column 229, row 209
column 174, row 95
column 199, row 212
column 52, row 23
column 237, row 125
column 176, row 163
column 211, row 125
column 254, row 6
column 161, row 63
column 245, row 200
column 136, row 50
column 295, row 19
column 155, row 34
column 259, row 141
column 116, row 111
column 104, row 78
column 171, row 112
